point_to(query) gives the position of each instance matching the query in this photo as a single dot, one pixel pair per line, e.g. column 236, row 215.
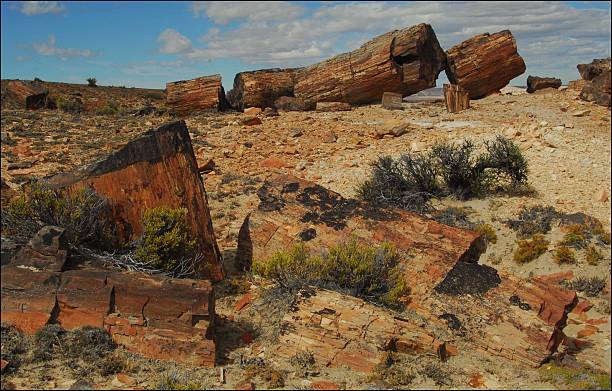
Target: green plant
column 454, row 216
column 176, row 380
column 14, row 346
column 487, row 231
column 505, row 161
column 69, row 105
column 575, row 378
column 463, row 174
column 602, row 236
column 533, row 220
column 591, row 286
column 528, row 250
column 111, row 108
column 577, row 236
column 392, row 371
column 564, row 254
column 37, row 80
column 593, row 256
column 91, row 82
column 80, row 213
column 166, row 240
column 359, row 270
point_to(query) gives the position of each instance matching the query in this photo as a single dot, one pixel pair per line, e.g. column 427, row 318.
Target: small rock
column 543, row 123
column 245, row 385
column 250, row 121
column 329, row 137
column 207, row 167
column 252, row 110
column 121, row 379
column 399, row 130
column 416, row 146
column 581, row 113
column 602, row 196
column 295, row 133
column 3, row 365
column 324, row 385
column 559, row 128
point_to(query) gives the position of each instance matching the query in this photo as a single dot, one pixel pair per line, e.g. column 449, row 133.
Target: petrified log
column 333, row 106
column 456, row 97
column 202, row 94
column 404, row 61
column 597, row 81
column 157, row 169
column 29, row 95
column 456, row 301
column 392, row 101
column 160, row 318
column 535, row 83
column 485, row 63
column 261, row 88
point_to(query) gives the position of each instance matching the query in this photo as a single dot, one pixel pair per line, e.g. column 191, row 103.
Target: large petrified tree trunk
column 449, row 291
column 597, row 81
column 403, row 61
column 456, row 97
column 485, row 63
column 157, row 169
column 160, row 318
column 27, row 95
column 202, row 94
column 261, row 88
column 535, row 83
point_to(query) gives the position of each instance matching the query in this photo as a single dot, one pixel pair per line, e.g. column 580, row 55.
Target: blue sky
column 147, row 44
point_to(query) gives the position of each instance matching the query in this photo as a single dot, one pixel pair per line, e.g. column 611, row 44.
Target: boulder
column 158, row 168
column 535, row 83
column 484, row 64
column 597, row 86
column 261, row 88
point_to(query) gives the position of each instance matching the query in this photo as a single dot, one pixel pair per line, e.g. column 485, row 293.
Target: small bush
column 533, row 220
column 505, row 161
column 46, row 341
column 487, row 232
column 391, row 370
column 577, row 236
column 14, row 345
column 529, row 250
column 593, row 256
column 302, row 362
column 564, row 254
column 88, row 343
column 91, row 82
column 603, row 237
column 111, row 108
column 591, row 286
column 575, row 378
column 175, row 380
column 359, row 270
column 80, row 213
column 462, row 172
column 69, row 105
column 455, row 217
column 166, row 240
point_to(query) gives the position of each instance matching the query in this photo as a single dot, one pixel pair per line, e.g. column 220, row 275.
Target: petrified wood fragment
column 597, row 81
column 485, row 63
column 157, row 169
column 535, row 83
column 456, row 97
column 261, row 88
column 456, row 301
column 403, row 61
column 202, row 94
column 392, row 101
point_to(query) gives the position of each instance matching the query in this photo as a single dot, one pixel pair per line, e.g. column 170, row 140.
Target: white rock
column 581, row 113
column 602, row 196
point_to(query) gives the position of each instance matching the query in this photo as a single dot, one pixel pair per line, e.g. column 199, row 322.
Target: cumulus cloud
column 552, row 36
column 173, row 42
column 49, row 49
column 41, row 7
column 223, row 12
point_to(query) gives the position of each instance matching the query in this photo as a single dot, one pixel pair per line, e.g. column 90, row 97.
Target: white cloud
column 41, row 7
column 223, row 12
column 49, row 49
column 552, row 37
column 173, row 42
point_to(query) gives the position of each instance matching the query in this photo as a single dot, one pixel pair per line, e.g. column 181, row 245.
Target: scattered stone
column 295, row 133
column 329, row 137
column 581, row 113
column 243, row 302
column 250, row 121
column 252, row 110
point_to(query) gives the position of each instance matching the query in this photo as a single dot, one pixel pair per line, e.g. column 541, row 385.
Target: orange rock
column 476, row 381
column 273, row 163
column 582, row 307
column 246, row 338
column 587, row 331
column 3, row 365
column 246, row 385
column 244, row 301
column 598, row 321
column 324, row 385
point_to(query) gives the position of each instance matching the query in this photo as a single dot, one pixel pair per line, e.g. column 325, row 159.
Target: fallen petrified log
column 157, row 169
column 597, row 81
column 456, row 98
column 457, row 303
column 404, row 61
column 161, row 318
column 261, row 88
column 27, row 94
column 485, row 63
column 535, row 83
column 202, row 94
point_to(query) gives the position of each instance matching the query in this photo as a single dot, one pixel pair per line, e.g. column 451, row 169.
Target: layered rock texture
column 23, row 94
column 535, row 83
column 261, row 88
column 197, row 95
column 403, row 61
column 485, row 63
column 456, row 302
column 597, row 81
column 157, row 169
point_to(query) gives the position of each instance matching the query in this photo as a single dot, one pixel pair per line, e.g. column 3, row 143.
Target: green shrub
column 533, row 220
column 80, row 213
column 412, row 180
column 564, row 254
column 487, row 231
column 591, row 286
column 166, row 240
column 455, row 217
column 176, row 380
column 14, row 346
column 111, row 108
column 69, row 105
column 575, row 378
column 359, row 270
column 528, row 250
column 92, row 82
column 593, row 256
column 577, row 236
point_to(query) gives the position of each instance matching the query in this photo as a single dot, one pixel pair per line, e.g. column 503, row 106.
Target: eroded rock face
column 457, row 303
column 485, row 63
column 157, row 169
column 535, row 83
column 162, row 318
column 597, row 81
